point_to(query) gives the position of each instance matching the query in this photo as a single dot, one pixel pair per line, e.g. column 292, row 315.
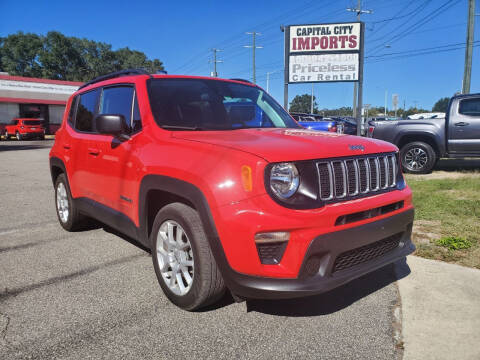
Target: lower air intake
column 366, row 253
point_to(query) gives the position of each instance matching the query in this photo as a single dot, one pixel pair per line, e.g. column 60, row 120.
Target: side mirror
column 112, row 124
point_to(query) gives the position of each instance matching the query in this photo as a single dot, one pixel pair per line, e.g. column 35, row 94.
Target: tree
column 19, row 54
column 302, row 104
column 56, row 56
column 441, row 105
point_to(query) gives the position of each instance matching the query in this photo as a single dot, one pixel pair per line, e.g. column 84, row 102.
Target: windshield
column 202, row 104
column 32, row 122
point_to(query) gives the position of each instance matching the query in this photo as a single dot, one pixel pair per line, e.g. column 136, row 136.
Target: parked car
column 423, row 141
column 426, row 116
column 25, row 129
column 317, row 122
column 216, row 193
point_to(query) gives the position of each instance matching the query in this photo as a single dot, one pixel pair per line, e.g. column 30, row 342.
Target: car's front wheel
column 7, row 137
column 185, row 267
column 418, row 158
column 18, row 136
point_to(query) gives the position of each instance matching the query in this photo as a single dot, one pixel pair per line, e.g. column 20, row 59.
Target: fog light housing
column 271, row 246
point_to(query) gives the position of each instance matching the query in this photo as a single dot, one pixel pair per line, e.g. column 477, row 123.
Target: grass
column 447, row 214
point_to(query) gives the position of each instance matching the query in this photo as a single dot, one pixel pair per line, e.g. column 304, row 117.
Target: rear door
column 464, row 126
column 81, row 145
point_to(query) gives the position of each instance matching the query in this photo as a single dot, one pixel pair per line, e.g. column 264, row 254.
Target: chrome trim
column 344, row 180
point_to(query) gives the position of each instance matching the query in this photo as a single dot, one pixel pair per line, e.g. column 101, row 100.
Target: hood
column 276, row 145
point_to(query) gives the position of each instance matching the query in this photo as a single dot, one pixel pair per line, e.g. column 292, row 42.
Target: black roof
column 127, row 72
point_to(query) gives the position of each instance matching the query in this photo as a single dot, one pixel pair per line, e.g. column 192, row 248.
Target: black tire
column 418, row 158
column 18, row 136
column 42, row 137
column 75, row 221
column 7, row 137
column 207, row 282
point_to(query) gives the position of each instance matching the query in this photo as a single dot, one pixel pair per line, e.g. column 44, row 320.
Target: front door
column 117, row 165
column 464, row 128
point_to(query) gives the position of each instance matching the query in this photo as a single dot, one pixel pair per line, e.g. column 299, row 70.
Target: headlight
column 284, row 180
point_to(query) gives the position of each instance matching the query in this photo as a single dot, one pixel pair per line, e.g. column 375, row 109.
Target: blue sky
column 181, row 34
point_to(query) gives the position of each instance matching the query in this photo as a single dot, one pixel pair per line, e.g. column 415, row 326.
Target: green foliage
column 454, row 243
column 302, row 103
column 56, row 56
column 441, row 105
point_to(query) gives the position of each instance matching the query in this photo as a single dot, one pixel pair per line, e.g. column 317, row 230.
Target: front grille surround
column 344, row 179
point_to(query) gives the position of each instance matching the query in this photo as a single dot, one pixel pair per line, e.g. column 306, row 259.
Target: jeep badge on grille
column 356, row 147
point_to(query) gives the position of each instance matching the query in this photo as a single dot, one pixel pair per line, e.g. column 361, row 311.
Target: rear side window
column 71, row 113
column 86, row 111
column 470, row 107
column 118, row 100
column 32, row 122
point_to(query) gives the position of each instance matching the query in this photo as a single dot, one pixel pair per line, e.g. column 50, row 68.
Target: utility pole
column 467, row 73
column 215, row 61
column 358, row 10
column 253, row 47
column 311, row 102
column 268, row 79
column 385, row 105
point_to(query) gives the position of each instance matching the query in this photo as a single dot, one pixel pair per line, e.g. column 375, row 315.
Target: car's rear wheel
column 185, row 267
column 18, row 136
column 7, row 137
column 418, row 158
column 67, row 212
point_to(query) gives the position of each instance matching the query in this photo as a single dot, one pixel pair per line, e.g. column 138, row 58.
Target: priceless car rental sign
column 323, row 52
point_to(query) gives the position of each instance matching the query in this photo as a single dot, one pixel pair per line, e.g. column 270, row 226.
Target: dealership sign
column 323, row 52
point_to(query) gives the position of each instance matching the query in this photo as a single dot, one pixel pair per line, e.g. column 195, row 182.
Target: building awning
column 19, row 89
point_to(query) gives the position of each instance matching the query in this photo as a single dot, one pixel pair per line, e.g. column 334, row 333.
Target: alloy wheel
column 62, row 202
column 175, row 257
column 415, row 159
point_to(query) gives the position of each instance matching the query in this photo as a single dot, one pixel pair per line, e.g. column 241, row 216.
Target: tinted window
column 86, row 111
column 32, row 122
column 470, row 107
column 117, row 100
column 183, row 104
column 71, row 114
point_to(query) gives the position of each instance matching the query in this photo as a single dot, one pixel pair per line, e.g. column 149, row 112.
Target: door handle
column 461, row 123
column 67, row 146
column 93, row 151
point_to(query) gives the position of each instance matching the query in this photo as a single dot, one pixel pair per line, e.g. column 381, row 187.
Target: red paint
column 39, row 80
column 213, row 161
column 32, row 101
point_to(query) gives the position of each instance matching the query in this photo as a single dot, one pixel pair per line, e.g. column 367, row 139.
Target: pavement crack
column 3, row 334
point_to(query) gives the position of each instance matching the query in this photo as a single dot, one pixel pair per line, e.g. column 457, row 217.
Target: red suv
column 25, row 129
column 226, row 189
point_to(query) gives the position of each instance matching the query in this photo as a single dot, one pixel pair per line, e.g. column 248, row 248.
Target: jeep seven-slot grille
column 346, row 178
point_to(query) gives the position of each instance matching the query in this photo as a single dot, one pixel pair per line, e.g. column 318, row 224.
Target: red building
column 26, row 97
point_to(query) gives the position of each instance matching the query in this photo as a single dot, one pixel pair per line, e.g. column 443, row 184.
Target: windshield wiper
column 178, row 127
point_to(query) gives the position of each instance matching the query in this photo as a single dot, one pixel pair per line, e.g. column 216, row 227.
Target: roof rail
column 242, row 80
column 115, row 75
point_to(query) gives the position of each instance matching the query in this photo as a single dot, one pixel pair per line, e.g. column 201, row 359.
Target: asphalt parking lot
column 93, row 294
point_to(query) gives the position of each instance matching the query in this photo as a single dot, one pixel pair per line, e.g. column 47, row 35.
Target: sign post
column 317, row 53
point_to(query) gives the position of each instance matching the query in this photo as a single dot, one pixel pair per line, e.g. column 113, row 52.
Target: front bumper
column 325, row 250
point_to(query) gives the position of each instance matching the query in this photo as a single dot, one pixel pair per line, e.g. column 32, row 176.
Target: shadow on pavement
column 458, row 164
column 334, row 300
column 23, row 147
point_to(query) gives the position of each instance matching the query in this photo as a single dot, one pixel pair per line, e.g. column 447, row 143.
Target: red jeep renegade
column 25, row 129
column 226, row 189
